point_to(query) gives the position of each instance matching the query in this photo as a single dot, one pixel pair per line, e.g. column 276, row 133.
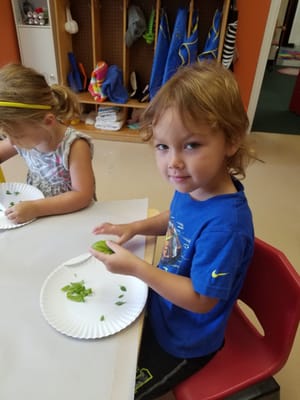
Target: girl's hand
column 21, row 212
column 121, row 261
column 123, row 231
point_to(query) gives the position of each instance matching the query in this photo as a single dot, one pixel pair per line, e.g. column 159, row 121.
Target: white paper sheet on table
column 36, row 360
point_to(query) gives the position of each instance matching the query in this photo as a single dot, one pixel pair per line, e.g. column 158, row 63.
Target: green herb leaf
column 120, row 303
column 76, row 291
column 102, row 247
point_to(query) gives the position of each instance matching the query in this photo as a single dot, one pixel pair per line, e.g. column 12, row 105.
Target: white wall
column 295, row 31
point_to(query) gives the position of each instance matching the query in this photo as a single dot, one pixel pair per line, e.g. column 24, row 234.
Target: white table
column 36, row 361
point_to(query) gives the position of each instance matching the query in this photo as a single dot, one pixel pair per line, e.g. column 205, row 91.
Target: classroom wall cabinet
column 36, row 38
column 102, row 26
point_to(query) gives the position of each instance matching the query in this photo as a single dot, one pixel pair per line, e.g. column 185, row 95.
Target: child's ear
column 232, row 148
column 49, row 119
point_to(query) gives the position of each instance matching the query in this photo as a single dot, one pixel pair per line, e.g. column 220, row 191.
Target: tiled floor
column 126, row 170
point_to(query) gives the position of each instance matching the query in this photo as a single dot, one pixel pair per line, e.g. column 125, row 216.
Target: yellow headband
column 24, row 105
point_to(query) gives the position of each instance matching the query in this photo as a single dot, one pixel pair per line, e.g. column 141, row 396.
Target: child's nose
column 175, row 160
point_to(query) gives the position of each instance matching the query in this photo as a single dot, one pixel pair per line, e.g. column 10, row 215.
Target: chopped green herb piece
column 11, row 204
column 121, row 295
column 75, row 297
column 120, row 303
column 15, row 193
column 123, row 288
column 76, row 291
column 102, row 247
column 102, row 318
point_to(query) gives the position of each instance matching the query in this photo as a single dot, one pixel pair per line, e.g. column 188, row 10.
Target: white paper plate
column 12, row 193
column 99, row 315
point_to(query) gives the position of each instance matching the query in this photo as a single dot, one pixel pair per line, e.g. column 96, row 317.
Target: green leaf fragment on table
column 102, row 247
column 76, row 291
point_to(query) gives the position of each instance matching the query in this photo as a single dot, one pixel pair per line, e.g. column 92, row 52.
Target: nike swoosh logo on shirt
column 216, row 274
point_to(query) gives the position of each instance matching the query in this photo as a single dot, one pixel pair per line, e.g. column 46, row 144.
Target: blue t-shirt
column 211, row 242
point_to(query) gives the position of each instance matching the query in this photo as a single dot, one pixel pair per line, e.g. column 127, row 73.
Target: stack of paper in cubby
column 110, row 118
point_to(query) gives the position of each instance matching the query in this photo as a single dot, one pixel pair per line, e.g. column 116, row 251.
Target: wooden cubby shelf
column 101, row 37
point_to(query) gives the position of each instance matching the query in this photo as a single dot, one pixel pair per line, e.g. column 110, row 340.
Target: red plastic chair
column 272, row 291
column 294, row 105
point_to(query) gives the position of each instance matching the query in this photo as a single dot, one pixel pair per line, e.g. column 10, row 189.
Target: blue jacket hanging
column 178, row 37
column 183, row 48
column 189, row 48
column 210, row 50
column 160, row 55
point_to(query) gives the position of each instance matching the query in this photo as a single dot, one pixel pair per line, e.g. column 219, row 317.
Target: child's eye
column 191, row 146
column 161, row 147
column 3, row 134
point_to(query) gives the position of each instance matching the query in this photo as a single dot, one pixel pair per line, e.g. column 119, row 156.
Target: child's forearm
column 61, row 204
column 153, row 226
column 176, row 288
column 7, row 150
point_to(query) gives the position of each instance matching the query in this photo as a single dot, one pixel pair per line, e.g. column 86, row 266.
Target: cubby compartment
column 23, row 11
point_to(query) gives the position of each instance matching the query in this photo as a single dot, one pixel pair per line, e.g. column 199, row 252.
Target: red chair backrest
column 272, row 291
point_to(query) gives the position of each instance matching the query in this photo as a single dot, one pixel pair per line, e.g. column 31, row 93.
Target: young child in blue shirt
column 198, row 126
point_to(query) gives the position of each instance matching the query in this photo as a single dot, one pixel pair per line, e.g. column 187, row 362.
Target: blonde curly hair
column 20, row 84
column 205, row 92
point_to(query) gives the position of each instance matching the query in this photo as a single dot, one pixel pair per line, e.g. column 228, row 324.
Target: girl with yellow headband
column 33, row 119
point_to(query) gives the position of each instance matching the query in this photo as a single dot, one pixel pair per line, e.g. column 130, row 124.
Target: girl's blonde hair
column 205, row 92
column 19, row 84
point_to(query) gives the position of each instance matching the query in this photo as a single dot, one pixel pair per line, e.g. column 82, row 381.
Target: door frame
column 263, row 58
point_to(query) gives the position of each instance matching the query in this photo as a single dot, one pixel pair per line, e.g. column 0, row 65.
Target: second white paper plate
column 12, row 193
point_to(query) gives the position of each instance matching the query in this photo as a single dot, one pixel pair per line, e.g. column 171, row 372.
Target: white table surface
column 36, row 361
